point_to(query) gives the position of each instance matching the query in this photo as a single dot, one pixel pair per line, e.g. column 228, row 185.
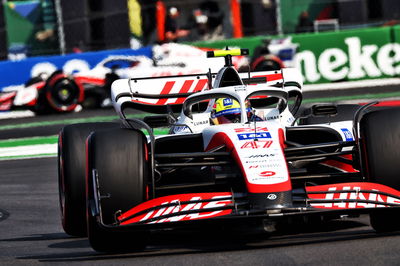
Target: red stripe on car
column 166, row 90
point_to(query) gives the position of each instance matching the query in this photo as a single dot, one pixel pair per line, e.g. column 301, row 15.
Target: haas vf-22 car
column 239, row 149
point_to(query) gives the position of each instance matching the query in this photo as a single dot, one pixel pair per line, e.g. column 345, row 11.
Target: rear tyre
column 118, row 171
column 267, row 63
column 380, row 142
column 71, row 175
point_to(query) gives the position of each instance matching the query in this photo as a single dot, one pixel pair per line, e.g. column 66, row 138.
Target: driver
column 226, row 111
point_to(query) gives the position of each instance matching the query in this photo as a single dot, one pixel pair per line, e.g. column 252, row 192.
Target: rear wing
column 154, row 94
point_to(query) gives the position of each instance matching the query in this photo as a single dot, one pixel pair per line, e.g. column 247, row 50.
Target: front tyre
column 71, row 175
column 117, row 177
column 380, row 149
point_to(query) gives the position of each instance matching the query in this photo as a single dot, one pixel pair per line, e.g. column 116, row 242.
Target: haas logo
column 267, row 173
column 215, row 202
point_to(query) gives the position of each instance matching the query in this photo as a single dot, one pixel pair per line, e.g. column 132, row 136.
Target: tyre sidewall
column 380, row 156
column 118, row 157
column 72, row 171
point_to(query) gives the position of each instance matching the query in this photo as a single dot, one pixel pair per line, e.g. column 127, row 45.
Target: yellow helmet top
column 226, row 106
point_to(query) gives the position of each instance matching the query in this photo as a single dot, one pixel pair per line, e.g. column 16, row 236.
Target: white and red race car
column 117, row 185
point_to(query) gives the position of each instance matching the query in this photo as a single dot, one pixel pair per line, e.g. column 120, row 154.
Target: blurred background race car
column 274, row 54
column 66, row 92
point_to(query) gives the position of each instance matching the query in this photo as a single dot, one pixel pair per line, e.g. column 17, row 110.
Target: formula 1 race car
column 274, row 54
column 241, row 151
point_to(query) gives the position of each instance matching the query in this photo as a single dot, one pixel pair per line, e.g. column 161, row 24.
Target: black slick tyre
column 380, row 153
column 117, row 177
column 267, row 63
column 71, row 175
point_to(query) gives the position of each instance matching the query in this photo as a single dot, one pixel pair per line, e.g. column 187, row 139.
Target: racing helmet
column 226, row 111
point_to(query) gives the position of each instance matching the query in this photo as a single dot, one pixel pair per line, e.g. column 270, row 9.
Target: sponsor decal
column 272, row 196
column 355, row 61
column 227, row 102
column 260, row 166
column 240, row 88
column 267, row 173
column 259, row 177
column 180, row 129
column 354, row 195
column 290, row 120
column 271, row 160
column 249, row 129
column 263, row 144
column 255, row 156
column 205, row 122
column 273, row 117
column 257, row 135
column 347, row 134
column 268, row 180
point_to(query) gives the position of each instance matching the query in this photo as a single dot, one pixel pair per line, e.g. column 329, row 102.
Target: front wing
column 197, row 209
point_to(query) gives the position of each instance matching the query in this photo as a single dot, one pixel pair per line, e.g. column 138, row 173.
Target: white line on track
column 29, row 150
column 16, row 114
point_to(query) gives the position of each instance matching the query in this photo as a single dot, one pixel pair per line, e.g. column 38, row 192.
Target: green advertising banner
column 396, row 34
column 338, row 56
column 346, row 55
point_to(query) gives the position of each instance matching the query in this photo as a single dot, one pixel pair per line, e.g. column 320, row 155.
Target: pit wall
column 345, row 55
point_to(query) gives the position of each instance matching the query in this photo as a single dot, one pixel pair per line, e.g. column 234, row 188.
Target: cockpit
column 233, row 104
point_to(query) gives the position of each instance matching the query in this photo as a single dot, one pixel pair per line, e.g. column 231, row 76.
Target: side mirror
column 159, row 120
